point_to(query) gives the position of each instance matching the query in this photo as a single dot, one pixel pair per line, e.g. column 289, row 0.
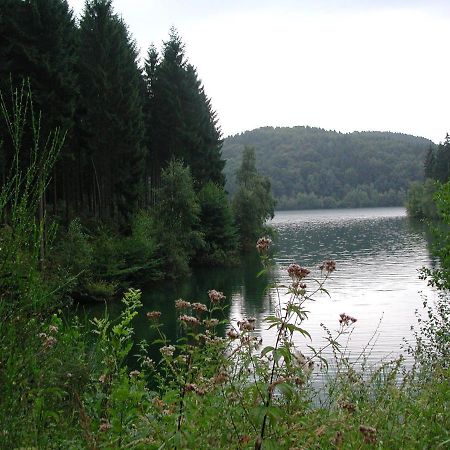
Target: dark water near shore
column 378, row 252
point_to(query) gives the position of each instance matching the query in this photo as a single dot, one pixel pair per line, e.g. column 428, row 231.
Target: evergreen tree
column 442, row 163
column 37, row 45
column 253, row 203
column 111, row 123
column 183, row 124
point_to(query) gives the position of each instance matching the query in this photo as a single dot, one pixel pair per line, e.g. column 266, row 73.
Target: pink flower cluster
column 297, row 272
column 263, row 244
column 344, row 319
column 215, row 296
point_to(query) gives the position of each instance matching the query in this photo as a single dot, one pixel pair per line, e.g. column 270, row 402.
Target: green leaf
column 266, row 350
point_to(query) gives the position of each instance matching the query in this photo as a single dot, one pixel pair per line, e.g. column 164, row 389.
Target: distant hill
column 316, row 168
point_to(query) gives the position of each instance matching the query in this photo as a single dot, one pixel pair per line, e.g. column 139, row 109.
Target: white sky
column 343, row 65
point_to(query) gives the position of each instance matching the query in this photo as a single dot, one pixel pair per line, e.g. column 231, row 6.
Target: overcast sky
column 344, row 65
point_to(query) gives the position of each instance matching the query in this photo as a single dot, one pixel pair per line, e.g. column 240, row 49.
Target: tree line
column 142, row 153
column 436, row 170
column 315, row 168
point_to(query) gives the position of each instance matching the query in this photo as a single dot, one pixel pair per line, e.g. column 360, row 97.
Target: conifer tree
column 37, row 46
column 111, row 123
column 183, row 124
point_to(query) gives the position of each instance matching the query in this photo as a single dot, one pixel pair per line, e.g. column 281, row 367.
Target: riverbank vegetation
column 70, row 383
column 421, row 200
column 110, row 176
column 315, row 168
column 136, row 192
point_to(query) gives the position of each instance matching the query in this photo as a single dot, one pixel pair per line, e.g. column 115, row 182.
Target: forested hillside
column 315, row 168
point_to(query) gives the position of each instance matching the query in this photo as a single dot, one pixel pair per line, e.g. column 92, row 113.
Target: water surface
column 378, row 252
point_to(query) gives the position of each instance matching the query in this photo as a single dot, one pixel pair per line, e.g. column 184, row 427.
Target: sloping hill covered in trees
column 316, row 168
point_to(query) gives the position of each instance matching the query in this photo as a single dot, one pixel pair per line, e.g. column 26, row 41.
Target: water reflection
column 378, row 253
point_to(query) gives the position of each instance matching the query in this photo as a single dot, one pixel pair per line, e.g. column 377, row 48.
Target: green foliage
column 23, row 233
column 441, row 277
column 253, row 203
column 182, row 123
column 217, row 226
column 177, row 219
column 420, row 203
column 314, row 168
column 111, row 121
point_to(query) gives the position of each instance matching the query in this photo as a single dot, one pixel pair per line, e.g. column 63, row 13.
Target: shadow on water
column 231, row 281
column 378, row 252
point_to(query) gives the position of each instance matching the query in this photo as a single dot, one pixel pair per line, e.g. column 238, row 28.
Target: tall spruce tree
column 37, row 45
column 111, row 123
column 182, row 124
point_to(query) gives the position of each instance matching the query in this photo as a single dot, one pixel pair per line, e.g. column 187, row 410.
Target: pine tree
column 183, row 124
column 37, row 45
column 111, row 122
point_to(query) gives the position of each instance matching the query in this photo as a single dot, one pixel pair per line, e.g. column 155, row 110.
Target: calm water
column 378, row 252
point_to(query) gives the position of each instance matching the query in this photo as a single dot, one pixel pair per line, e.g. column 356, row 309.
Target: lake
column 378, row 252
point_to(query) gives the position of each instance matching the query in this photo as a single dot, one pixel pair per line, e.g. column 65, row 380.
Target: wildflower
column 199, row 307
column 154, row 315
column 210, row 323
column 158, row 403
column 297, row 272
column 329, row 266
column 192, row 387
column 148, row 362
column 53, row 329
column 215, row 296
column 346, row 320
column 263, row 244
column 134, row 373
column 369, row 433
column 232, row 334
column 338, row 439
column 246, row 325
column 167, row 350
column 189, row 320
column 49, row 342
column 220, row 378
column 348, row 406
column 104, row 426
column 182, row 304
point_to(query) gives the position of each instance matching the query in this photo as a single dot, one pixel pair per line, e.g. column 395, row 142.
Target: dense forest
column 136, row 191
column 315, row 168
column 436, row 169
